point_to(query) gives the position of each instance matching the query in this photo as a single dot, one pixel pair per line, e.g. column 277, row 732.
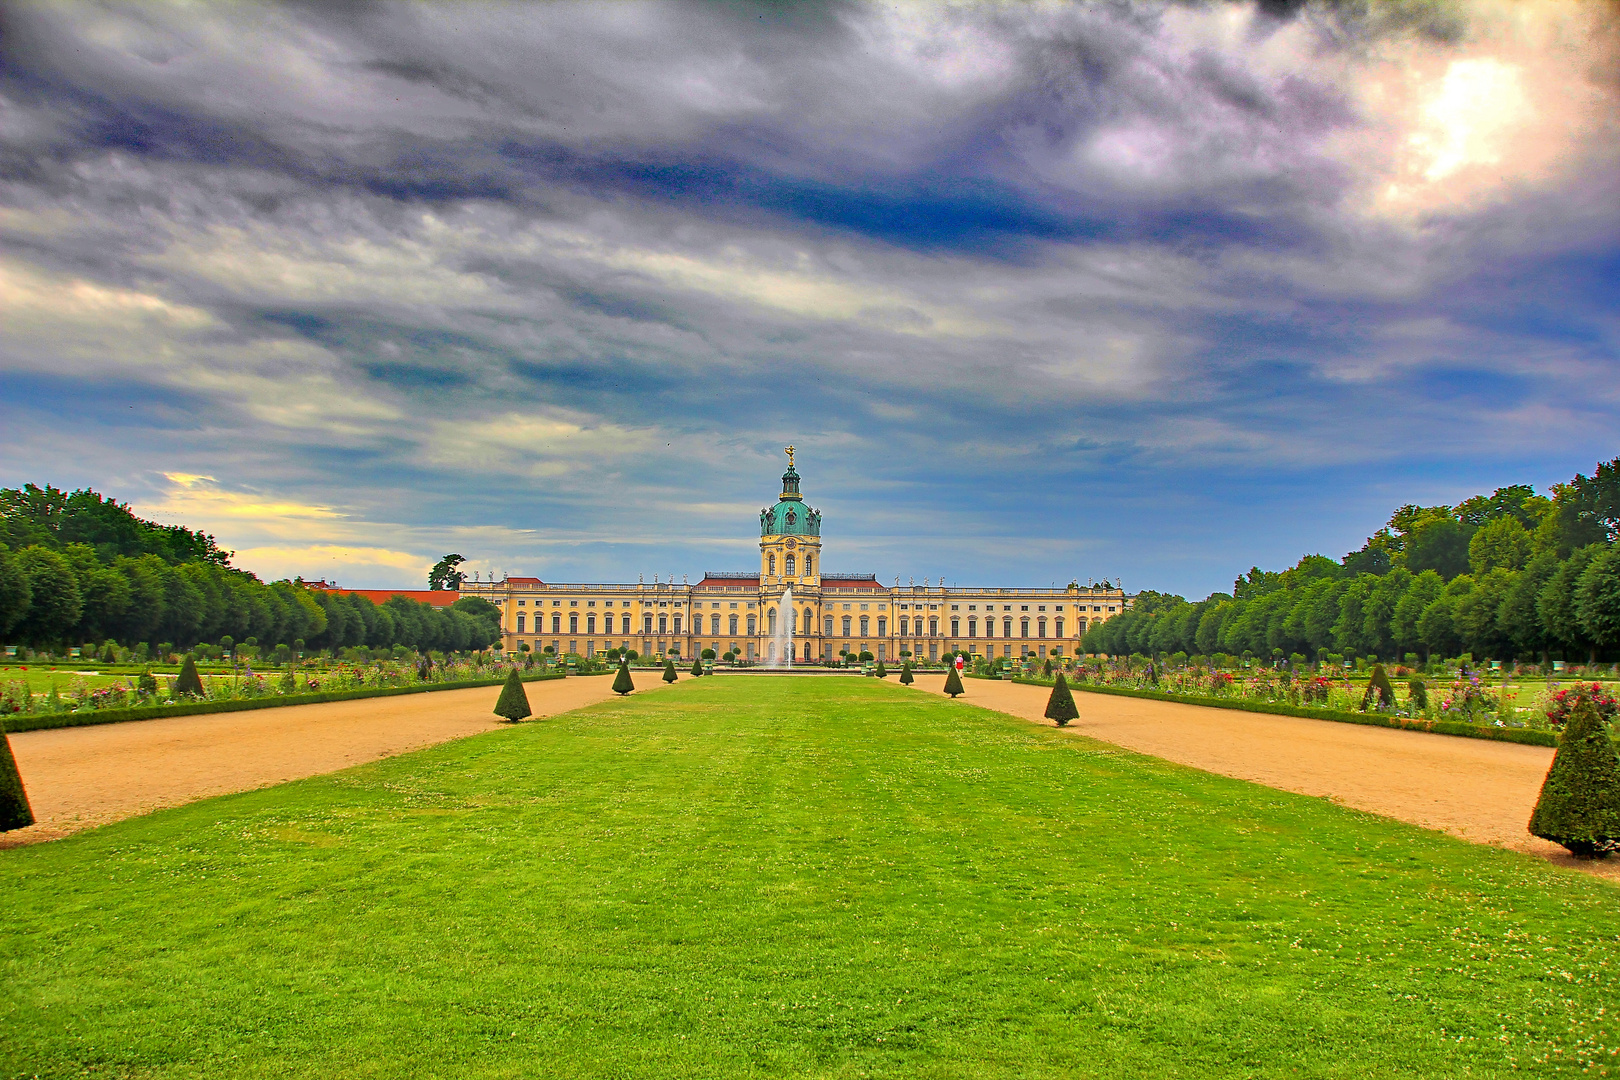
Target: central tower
column 789, row 538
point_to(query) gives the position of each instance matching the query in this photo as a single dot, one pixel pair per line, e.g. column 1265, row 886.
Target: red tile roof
column 436, row 597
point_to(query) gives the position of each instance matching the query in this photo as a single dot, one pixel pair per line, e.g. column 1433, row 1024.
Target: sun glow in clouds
column 1472, row 118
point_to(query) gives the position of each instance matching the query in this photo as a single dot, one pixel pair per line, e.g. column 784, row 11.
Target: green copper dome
column 790, row 516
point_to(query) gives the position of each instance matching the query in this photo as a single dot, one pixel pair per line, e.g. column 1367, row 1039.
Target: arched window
column 770, row 562
column 770, row 622
column 792, row 565
column 1006, row 627
column 933, row 627
column 809, row 621
column 809, row 564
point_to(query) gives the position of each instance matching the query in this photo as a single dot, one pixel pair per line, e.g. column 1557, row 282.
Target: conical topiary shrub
column 697, row 665
column 514, row 701
column 669, row 671
column 1379, row 689
column 188, row 684
column 15, row 813
column 953, row 681
column 1418, row 695
column 880, row 671
column 905, row 674
column 621, row 682
column 1579, row 805
column 1060, row 706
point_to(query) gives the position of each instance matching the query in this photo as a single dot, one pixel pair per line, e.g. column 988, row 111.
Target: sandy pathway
column 81, row 777
column 1472, row 788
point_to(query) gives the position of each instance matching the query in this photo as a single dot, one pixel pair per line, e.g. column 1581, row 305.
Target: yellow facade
column 830, row 613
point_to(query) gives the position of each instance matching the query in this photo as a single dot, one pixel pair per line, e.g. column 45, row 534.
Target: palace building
column 828, row 614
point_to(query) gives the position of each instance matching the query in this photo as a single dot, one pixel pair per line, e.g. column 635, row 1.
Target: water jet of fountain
column 782, row 640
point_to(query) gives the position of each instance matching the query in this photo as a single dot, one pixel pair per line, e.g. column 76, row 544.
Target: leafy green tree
column 1557, row 602
column 55, row 604
column 953, row 681
column 15, row 813
column 1517, row 619
column 444, row 574
column 1060, row 706
column 15, row 591
column 1503, row 543
column 1441, row 545
column 187, row 684
column 1477, row 610
column 513, row 704
column 669, row 671
column 621, row 682
column 1421, row 591
column 1437, row 626
column 1597, row 598
column 1579, row 805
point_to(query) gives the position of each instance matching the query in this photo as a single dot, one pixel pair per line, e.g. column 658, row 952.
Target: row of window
column 909, row 626
column 789, row 565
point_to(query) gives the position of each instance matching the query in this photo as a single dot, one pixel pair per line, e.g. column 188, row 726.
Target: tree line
column 1510, row 575
column 77, row 568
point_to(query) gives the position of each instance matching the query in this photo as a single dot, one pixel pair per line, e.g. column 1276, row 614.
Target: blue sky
column 1140, row 291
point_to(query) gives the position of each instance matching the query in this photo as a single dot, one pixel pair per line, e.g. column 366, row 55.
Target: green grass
column 793, row 877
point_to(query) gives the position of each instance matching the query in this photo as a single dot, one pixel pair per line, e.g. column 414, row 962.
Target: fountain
column 782, row 639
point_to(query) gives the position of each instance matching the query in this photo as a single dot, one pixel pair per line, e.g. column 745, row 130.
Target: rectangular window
column 520, row 622
column 883, row 628
column 829, row 621
column 1057, row 628
column 973, row 627
column 847, row 621
column 753, row 624
column 677, row 624
column 1023, row 627
column 905, row 622
column 734, row 624
column 556, row 624
column 590, row 624
column 663, row 624
column 1006, row 630
column 1040, row 625
column 866, row 626
column 933, row 650
column 573, row 627
column 933, row 628
column 956, row 628
column 646, row 624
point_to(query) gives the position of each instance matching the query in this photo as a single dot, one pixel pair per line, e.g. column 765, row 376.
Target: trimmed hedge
column 42, row 721
column 1526, row 736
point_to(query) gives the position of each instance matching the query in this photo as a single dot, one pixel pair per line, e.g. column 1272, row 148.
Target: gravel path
column 78, row 778
column 1475, row 789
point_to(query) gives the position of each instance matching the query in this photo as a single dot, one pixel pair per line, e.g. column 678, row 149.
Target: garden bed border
column 18, row 722
column 1524, row 736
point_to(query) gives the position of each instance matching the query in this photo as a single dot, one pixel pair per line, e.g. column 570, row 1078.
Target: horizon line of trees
column 1510, row 575
column 77, row 568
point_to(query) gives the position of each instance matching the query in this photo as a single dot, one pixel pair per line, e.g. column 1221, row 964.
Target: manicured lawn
column 753, row 876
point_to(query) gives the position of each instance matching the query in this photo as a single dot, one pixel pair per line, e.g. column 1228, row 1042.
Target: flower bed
column 1529, row 736
column 40, row 720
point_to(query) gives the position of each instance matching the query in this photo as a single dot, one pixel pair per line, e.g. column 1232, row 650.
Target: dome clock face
column 792, row 542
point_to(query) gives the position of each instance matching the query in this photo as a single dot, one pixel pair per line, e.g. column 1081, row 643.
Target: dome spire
column 790, row 479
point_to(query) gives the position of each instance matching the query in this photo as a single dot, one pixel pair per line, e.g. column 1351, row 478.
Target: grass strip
column 42, row 721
